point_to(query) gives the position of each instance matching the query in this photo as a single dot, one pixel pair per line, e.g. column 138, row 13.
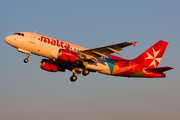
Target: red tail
column 152, row 57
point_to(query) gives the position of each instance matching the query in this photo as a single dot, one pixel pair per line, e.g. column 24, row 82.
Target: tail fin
column 152, row 57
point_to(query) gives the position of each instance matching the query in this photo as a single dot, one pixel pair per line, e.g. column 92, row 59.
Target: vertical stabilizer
column 152, row 57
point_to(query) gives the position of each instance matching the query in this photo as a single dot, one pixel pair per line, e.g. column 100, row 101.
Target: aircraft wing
column 94, row 54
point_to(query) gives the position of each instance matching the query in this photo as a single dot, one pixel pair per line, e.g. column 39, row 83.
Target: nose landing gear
column 26, row 59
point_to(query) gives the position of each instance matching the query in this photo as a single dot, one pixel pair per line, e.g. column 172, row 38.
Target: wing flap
column 113, row 50
column 100, row 54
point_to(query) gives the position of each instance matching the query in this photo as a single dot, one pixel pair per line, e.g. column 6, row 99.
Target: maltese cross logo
column 155, row 60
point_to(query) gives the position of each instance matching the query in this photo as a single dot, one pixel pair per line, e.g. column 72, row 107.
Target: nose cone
column 7, row 39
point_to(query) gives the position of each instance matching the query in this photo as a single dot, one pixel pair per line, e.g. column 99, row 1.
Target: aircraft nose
column 7, row 39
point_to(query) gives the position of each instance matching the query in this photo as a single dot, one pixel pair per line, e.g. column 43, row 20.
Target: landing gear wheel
column 26, row 60
column 85, row 72
column 73, row 78
column 27, row 56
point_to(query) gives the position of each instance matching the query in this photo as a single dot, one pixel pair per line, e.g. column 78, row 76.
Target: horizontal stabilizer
column 159, row 70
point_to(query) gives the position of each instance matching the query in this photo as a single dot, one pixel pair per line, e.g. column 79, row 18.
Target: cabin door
column 33, row 38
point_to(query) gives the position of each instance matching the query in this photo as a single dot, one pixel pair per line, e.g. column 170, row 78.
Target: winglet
column 134, row 43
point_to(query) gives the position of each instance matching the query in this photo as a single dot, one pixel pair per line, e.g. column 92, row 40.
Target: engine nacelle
column 50, row 66
column 67, row 55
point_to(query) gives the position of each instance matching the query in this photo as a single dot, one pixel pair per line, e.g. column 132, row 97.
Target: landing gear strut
column 26, row 59
column 73, row 78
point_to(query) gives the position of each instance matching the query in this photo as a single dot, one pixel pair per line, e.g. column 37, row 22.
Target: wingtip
column 134, row 43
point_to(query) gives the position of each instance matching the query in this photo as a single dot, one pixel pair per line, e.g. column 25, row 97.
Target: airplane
column 61, row 56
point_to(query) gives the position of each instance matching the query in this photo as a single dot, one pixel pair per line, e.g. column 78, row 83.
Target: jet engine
column 50, row 66
column 64, row 55
column 67, row 55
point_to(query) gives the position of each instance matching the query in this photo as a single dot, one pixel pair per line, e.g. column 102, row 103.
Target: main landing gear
column 73, row 78
column 85, row 72
column 26, row 59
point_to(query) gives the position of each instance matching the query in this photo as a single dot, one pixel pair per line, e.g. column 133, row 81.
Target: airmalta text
column 55, row 42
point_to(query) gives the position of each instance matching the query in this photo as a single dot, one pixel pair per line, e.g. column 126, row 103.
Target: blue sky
column 27, row 92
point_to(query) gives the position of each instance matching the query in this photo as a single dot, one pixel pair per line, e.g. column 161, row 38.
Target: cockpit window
column 21, row 34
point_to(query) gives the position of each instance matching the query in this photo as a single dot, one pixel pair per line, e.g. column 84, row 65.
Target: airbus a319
column 60, row 56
